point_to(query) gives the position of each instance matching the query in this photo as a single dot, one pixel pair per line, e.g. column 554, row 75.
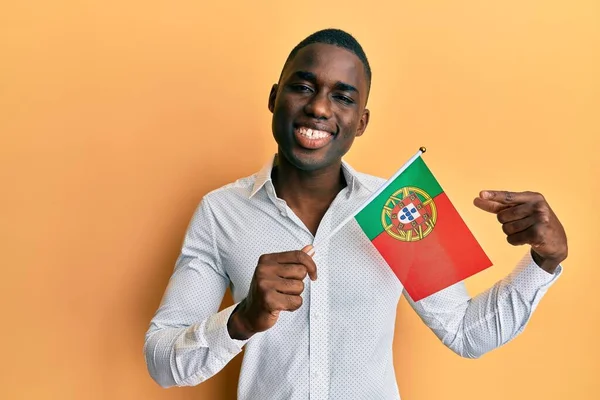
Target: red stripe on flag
column 449, row 254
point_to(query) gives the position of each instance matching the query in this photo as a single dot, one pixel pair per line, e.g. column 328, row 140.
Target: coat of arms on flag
column 409, row 214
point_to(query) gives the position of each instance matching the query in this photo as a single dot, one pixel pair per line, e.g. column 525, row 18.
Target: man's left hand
column 527, row 218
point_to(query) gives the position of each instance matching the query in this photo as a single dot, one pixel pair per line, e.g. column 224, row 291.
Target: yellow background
column 116, row 117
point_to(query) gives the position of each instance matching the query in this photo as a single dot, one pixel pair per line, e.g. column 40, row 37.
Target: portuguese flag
column 419, row 233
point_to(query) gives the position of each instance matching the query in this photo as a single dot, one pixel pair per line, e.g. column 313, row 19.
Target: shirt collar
column 264, row 175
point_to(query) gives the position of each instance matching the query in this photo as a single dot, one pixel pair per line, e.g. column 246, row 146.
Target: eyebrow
column 310, row 77
column 345, row 87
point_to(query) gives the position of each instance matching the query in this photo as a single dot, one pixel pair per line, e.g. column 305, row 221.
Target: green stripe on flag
column 416, row 175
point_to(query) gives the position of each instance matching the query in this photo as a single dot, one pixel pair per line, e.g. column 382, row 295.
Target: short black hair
column 335, row 37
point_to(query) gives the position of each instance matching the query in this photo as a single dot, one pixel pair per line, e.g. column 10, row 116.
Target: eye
column 344, row 99
column 301, row 88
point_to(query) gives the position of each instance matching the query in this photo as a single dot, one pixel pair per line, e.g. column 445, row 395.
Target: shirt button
column 317, row 315
column 316, row 374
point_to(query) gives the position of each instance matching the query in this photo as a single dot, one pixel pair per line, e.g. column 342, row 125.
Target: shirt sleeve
column 474, row 326
column 188, row 341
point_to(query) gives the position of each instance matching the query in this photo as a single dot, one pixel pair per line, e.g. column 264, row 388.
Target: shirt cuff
column 217, row 335
column 531, row 280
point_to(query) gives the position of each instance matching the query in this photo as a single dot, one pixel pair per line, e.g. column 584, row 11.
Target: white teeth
column 313, row 133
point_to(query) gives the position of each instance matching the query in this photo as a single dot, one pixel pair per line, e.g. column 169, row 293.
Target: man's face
column 319, row 106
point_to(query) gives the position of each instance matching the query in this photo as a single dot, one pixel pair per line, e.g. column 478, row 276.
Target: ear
column 362, row 124
column 272, row 97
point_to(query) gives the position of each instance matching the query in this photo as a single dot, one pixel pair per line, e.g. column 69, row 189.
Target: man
column 319, row 323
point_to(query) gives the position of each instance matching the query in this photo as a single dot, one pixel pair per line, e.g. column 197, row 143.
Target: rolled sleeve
column 530, row 280
column 205, row 349
column 217, row 335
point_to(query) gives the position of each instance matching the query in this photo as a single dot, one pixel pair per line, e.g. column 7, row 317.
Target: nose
column 319, row 106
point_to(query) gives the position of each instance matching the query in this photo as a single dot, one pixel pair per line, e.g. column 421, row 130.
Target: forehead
column 330, row 64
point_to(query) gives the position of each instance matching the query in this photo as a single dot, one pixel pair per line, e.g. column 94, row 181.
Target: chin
column 305, row 161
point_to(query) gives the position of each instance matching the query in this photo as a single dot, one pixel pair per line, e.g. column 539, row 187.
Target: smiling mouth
column 313, row 133
column 312, row 138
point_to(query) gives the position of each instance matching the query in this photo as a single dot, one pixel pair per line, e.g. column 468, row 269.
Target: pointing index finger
column 509, row 198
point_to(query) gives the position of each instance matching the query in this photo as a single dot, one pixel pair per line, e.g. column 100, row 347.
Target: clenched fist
column 276, row 286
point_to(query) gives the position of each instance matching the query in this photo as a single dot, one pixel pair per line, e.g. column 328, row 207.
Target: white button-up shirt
column 338, row 345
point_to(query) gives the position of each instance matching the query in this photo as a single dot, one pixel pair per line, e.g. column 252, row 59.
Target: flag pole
column 422, row 150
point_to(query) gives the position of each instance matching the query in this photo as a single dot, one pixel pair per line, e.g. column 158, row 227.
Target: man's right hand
column 276, row 286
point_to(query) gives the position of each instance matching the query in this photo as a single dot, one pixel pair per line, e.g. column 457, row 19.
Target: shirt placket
column 319, row 321
column 316, row 298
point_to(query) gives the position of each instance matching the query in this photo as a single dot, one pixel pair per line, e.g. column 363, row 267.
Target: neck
column 306, row 190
